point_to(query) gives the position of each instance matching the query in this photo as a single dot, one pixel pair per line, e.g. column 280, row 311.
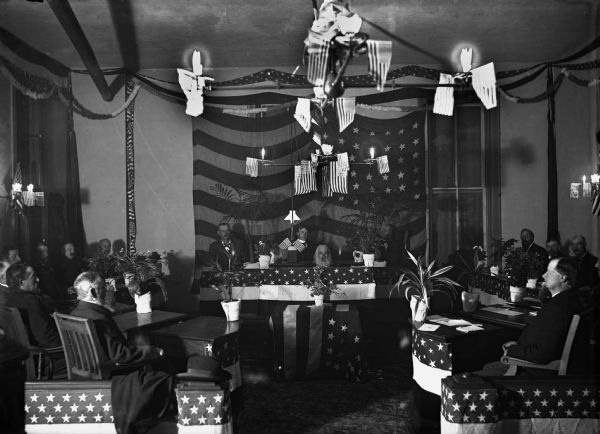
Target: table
column 286, row 283
column 206, row 336
column 446, row 351
column 136, row 326
column 311, row 341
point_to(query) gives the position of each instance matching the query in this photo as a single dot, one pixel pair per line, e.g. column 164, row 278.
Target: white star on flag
column 34, row 419
column 50, row 398
column 185, row 399
column 66, row 418
column 99, row 396
column 74, row 408
column 82, row 397
column 66, row 398
column 210, row 409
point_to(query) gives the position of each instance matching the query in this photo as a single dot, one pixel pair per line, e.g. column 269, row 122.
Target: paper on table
column 502, row 311
column 448, row 321
column 428, row 327
column 470, row 328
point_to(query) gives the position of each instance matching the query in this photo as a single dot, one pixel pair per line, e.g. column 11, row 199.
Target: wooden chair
column 560, row 365
column 13, row 325
column 85, row 356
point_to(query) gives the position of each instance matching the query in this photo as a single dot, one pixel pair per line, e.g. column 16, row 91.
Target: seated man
column 306, row 255
column 3, row 286
column 24, row 294
column 543, row 340
column 68, row 267
column 48, row 282
column 104, row 247
column 554, row 249
column 91, row 292
column 226, row 251
column 322, row 257
column 587, row 274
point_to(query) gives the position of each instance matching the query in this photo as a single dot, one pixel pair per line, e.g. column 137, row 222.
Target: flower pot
column 143, row 303
column 263, row 261
column 531, row 283
column 494, row 270
column 358, row 256
column 470, row 301
column 369, row 259
column 419, row 309
column 517, row 294
column 319, row 299
column 232, row 309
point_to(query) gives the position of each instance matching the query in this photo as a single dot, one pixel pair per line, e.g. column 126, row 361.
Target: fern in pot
column 420, row 284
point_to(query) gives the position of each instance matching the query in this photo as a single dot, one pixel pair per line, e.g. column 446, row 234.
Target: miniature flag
column 383, row 165
column 285, row 244
column 299, row 245
column 346, row 108
column 443, row 103
column 302, row 114
column 380, row 58
column 342, row 163
column 305, row 179
column 252, row 167
column 574, row 190
column 314, row 158
column 484, row 83
column 338, row 179
column 318, row 55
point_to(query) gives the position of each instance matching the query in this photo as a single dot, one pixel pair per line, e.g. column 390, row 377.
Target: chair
column 13, row 325
column 560, row 365
column 85, row 356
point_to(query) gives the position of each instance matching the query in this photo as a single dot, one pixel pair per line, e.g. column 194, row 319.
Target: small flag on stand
column 484, row 83
column 345, row 108
column 252, row 167
column 299, row 245
column 285, row 244
column 383, row 165
column 302, row 114
column 380, row 58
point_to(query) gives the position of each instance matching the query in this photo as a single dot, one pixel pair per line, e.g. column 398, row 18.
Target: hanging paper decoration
column 484, row 83
column 302, row 114
column 252, row 167
column 193, row 84
column 443, row 103
column 383, row 164
column 345, row 109
column 574, row 190
column 380, row 58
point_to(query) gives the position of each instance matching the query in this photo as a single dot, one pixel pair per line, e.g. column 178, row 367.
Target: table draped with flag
column 318, row 341
column 222, row 190
column 472, row 404
column 287, row 283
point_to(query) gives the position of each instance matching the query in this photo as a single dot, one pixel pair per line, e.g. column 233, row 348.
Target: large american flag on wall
column 223, row 140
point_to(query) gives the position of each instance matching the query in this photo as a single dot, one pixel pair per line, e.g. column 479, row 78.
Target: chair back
column 566, row 354
column 14, row 328
column 84, row 355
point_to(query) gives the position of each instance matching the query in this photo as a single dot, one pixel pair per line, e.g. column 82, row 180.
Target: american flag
column 345, row 110
column 305, row 179
column 252, row 167
column 472, row 400
column 380, row 58
column 338, row 178
column 431, row 352
column 318, row 55
column 318, row 341
column 302, row 114
column 299, row 245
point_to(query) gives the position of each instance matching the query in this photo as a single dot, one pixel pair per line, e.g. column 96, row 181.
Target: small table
column 137, row 325
column 205, row 336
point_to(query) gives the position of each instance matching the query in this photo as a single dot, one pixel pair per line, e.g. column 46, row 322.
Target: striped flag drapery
column 257, row 206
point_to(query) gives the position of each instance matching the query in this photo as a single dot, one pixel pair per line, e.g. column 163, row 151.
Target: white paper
column 448, row 321
column 428, row 327
column 502, row 311
column 470, row 328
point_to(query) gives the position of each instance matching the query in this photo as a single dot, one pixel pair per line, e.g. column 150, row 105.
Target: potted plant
column 223, row 281
column 319, row 286
column 106, row 267
column 537, row 267
column 499, row 247
column 367, row 242
column 142, row 272
column 517, row 266
column 419, row 285
column 263, row 251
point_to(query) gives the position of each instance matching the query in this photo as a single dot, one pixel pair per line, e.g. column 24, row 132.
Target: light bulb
column 372, row 151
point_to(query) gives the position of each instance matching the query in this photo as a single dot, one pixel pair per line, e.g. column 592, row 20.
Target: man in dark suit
column 24, row 294
column 543, row 340
column 306, row 255
column 587, row 274
column 534, row 251
column 226, row 251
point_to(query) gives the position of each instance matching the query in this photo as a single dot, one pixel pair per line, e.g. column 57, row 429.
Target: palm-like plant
column 425, row 281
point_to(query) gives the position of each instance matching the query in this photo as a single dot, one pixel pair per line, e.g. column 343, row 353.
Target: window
column 463, row 180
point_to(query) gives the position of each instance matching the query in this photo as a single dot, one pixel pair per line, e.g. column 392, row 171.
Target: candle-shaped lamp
column 587, row 187
column 29, row 196
column 372, row 151
column 262, row 154
column 595, row 178
column 30, row 188
column 16, row 187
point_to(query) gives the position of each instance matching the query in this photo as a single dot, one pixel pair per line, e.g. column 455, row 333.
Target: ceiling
column 153, row 34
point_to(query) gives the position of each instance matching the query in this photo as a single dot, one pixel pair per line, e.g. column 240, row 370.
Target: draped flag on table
column 223, row 141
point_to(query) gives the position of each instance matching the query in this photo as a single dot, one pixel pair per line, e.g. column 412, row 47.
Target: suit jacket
column 308, row 253
column 112, row 340
column 543, row 340
column 587, row 274
column 217, row 252
column 40, row 325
